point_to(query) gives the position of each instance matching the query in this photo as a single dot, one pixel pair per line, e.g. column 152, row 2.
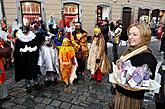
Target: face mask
column 47, row 42
column 96, row 34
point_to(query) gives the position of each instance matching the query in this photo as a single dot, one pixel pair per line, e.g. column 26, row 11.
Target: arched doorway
column 143, row 15
column 126, row 21
column 31, row 11
column 155, row 15
column 103, row 11
column 71, row 12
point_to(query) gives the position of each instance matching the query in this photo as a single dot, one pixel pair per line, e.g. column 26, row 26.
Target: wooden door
column 126, row 21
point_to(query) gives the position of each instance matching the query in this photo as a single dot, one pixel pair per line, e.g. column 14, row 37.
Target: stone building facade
column 86, row 11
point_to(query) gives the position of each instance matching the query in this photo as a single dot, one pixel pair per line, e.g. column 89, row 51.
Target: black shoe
column 92, row 79
column 5, row 99
column 48, row 83
column 99, row 81
column 28, row 89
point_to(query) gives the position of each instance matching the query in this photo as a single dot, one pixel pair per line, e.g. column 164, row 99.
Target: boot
column 28, row 86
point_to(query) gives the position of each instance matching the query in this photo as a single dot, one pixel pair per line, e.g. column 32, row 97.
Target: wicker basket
column 5, row 52
column 130, row 88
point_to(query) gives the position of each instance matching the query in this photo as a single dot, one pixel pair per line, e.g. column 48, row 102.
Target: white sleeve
column 41, row 57
column 56, row 60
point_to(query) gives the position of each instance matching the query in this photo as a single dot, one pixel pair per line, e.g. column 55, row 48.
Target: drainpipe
column 3, row 11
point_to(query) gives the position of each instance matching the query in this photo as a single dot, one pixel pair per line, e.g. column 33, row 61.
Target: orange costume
column 68, row 62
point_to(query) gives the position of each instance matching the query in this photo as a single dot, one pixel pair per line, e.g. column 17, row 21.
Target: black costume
column 26, row 56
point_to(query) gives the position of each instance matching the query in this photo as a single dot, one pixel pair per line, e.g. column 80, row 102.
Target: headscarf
column 145, row 34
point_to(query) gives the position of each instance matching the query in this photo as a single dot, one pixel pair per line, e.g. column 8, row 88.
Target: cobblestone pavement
column 85, row 94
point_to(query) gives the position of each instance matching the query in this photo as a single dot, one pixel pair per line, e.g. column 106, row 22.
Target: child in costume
column 48, row 61
column 68, row 63
column 59, row 37
column 98, row 62
column 81, row 49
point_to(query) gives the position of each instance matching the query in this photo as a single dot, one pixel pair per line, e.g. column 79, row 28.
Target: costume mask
column 25, row 30
column 97, row 31
column 65, row 42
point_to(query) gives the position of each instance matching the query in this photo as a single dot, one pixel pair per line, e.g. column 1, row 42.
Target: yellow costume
column 67, row 62
column 80, row 42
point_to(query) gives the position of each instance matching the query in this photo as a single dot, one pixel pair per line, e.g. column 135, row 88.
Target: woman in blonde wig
column 139, row 35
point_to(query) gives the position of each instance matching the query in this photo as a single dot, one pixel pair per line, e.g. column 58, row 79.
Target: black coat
column 26, row 62
column 160, row 98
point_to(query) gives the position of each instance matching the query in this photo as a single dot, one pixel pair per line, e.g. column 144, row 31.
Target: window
column 31, row 11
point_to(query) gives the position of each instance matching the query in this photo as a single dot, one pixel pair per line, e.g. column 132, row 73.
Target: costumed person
column 98, row 62
column 72, row 42
column 59, row 37
column 80, row 37
column 52, row 30
column 99, row 22
column 140, row 57
column 4, row 33
column 105, row 31
column 162, row 44
column 68, row 63
column 117, row 31
column 36, row 28
column 159, row 96
column 48, row 61
column 15, row 27
column 26, row 56
column 68, row 34
column 51, row 21
column 160, row 30
column 62, row 24
column 3, row 87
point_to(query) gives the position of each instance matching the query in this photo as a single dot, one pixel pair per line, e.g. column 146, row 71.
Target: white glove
column 32, row 49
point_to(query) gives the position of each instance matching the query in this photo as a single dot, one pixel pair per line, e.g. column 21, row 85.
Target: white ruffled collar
column 26, row 38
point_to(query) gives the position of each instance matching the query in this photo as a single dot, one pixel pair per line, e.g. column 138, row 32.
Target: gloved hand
column 97, row 61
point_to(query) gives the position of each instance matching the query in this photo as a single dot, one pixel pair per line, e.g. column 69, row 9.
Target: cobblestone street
column 85, row 94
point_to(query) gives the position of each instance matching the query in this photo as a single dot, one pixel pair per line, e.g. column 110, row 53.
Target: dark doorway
column 143, row 15
column 71, row 12
column 126, row 20
column 155, row 15
column 99, row 12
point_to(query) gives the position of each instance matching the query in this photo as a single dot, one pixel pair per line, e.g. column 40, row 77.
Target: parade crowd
column 59, row 52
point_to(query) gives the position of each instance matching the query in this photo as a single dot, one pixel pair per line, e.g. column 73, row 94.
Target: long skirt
column 124, row 102
column 65, row 72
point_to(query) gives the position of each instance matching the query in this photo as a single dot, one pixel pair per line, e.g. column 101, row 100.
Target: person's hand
column 97, row 61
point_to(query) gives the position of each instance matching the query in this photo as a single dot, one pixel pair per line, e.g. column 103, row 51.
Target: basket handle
column 5, row 42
